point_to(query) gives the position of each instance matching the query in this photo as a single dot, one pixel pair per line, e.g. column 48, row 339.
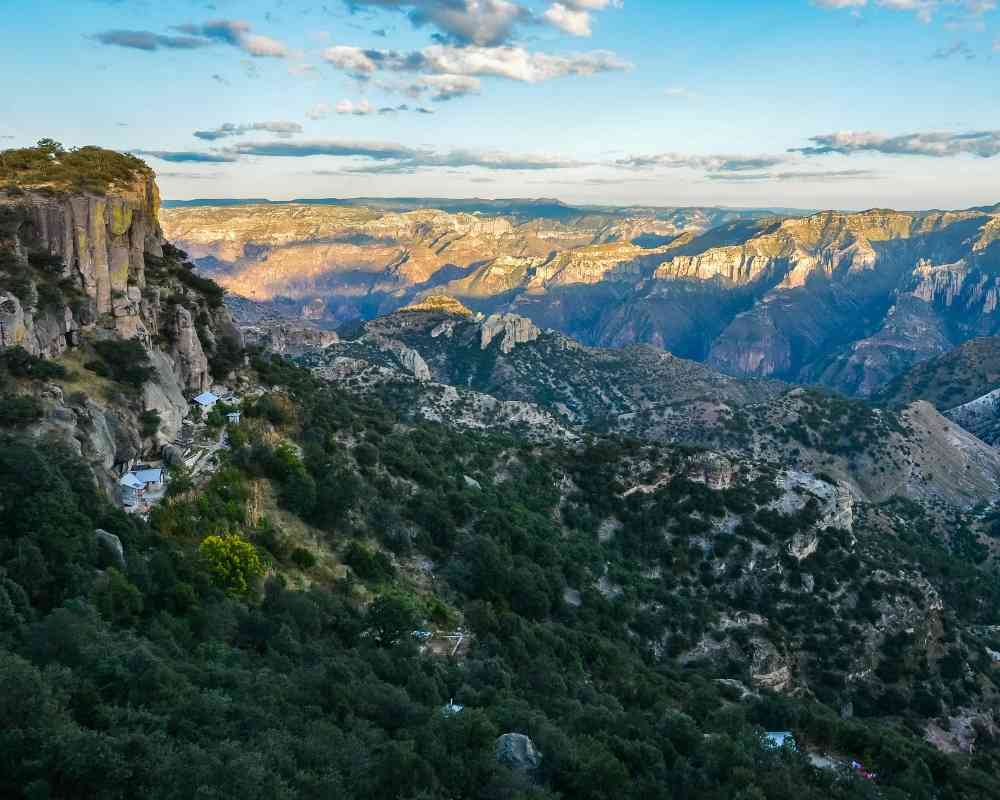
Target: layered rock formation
column 101, row 240
column 847, row 300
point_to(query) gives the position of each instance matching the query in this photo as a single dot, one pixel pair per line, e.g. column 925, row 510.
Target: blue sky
column 808, row 103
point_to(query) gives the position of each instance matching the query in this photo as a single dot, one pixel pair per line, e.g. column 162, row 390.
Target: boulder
column 112, row 545
column 517, row 751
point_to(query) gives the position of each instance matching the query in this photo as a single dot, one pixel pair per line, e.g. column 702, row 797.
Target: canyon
column 845, row 300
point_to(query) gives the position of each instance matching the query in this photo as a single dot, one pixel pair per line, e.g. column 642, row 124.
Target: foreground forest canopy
column 219, row 657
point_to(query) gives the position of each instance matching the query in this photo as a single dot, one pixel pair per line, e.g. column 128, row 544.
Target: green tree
column 233, row 563
column 118, row 600
column 392, row 616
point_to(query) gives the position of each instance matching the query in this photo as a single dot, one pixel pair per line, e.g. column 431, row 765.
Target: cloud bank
column 934, row 144
column 489, row 23
column 278, row 128
column 234, row 33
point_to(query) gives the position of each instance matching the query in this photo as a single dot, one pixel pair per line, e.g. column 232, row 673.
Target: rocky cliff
column 84, row 270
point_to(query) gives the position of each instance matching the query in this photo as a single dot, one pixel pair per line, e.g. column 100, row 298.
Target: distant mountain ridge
column 537, row 205
column 846, row 300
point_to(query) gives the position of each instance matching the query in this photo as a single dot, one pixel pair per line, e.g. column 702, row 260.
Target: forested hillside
column 255, row 639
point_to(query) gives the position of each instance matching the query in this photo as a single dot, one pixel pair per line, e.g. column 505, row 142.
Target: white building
column 206, row 401
column 133, row 484
column 131, row 489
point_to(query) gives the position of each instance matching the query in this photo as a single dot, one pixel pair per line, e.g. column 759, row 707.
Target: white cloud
column 236, row 33
column 575, row 22
column 360, row 109
column 482, row 22
column 320, row 111
column 512, row 63
column 444, row 87
column 350, row 59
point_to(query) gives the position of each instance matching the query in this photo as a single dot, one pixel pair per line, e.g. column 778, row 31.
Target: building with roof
column 131, row 489
column 206, row 401
column 133, row 485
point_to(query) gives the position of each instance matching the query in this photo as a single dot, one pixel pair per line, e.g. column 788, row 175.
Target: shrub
column 366, row 454
column 21, row 364
column 392, row 617
column 303, row 559
column 232, row 562
column 124, row 362
column 369, row 565
column 83, row 168
column 18, row 409
column 150, row 422
column 46, row 262
column 209, row 289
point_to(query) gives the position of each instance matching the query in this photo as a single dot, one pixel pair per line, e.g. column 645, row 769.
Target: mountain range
column 845, row 300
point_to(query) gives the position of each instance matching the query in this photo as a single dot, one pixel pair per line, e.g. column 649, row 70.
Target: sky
column 785, row 103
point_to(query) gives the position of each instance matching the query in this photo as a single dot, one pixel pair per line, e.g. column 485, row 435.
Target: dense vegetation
column 949, row 379
column 51, row 166
column 183, row 674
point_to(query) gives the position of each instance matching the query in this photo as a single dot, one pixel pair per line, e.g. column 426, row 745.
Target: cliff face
column 102, row 241
column 81, row 268
column 99, row 244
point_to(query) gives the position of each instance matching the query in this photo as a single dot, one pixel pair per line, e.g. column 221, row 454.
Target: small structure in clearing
column 134, row 484
column 452, row 708
column 206, row 401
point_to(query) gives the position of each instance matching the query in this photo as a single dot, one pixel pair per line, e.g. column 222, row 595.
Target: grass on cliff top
column 50, row 166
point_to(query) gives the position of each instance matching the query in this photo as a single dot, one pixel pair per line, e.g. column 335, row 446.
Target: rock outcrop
column 287, row 337
column 408, row 358
column 111, row 545
column 190, row 361
column 513, row 329
column 518, row 751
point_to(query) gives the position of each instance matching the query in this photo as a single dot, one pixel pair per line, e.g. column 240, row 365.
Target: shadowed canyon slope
column 849, row 300
column 443, row 363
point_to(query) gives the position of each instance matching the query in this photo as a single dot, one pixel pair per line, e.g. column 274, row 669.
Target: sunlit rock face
column 849, row 300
